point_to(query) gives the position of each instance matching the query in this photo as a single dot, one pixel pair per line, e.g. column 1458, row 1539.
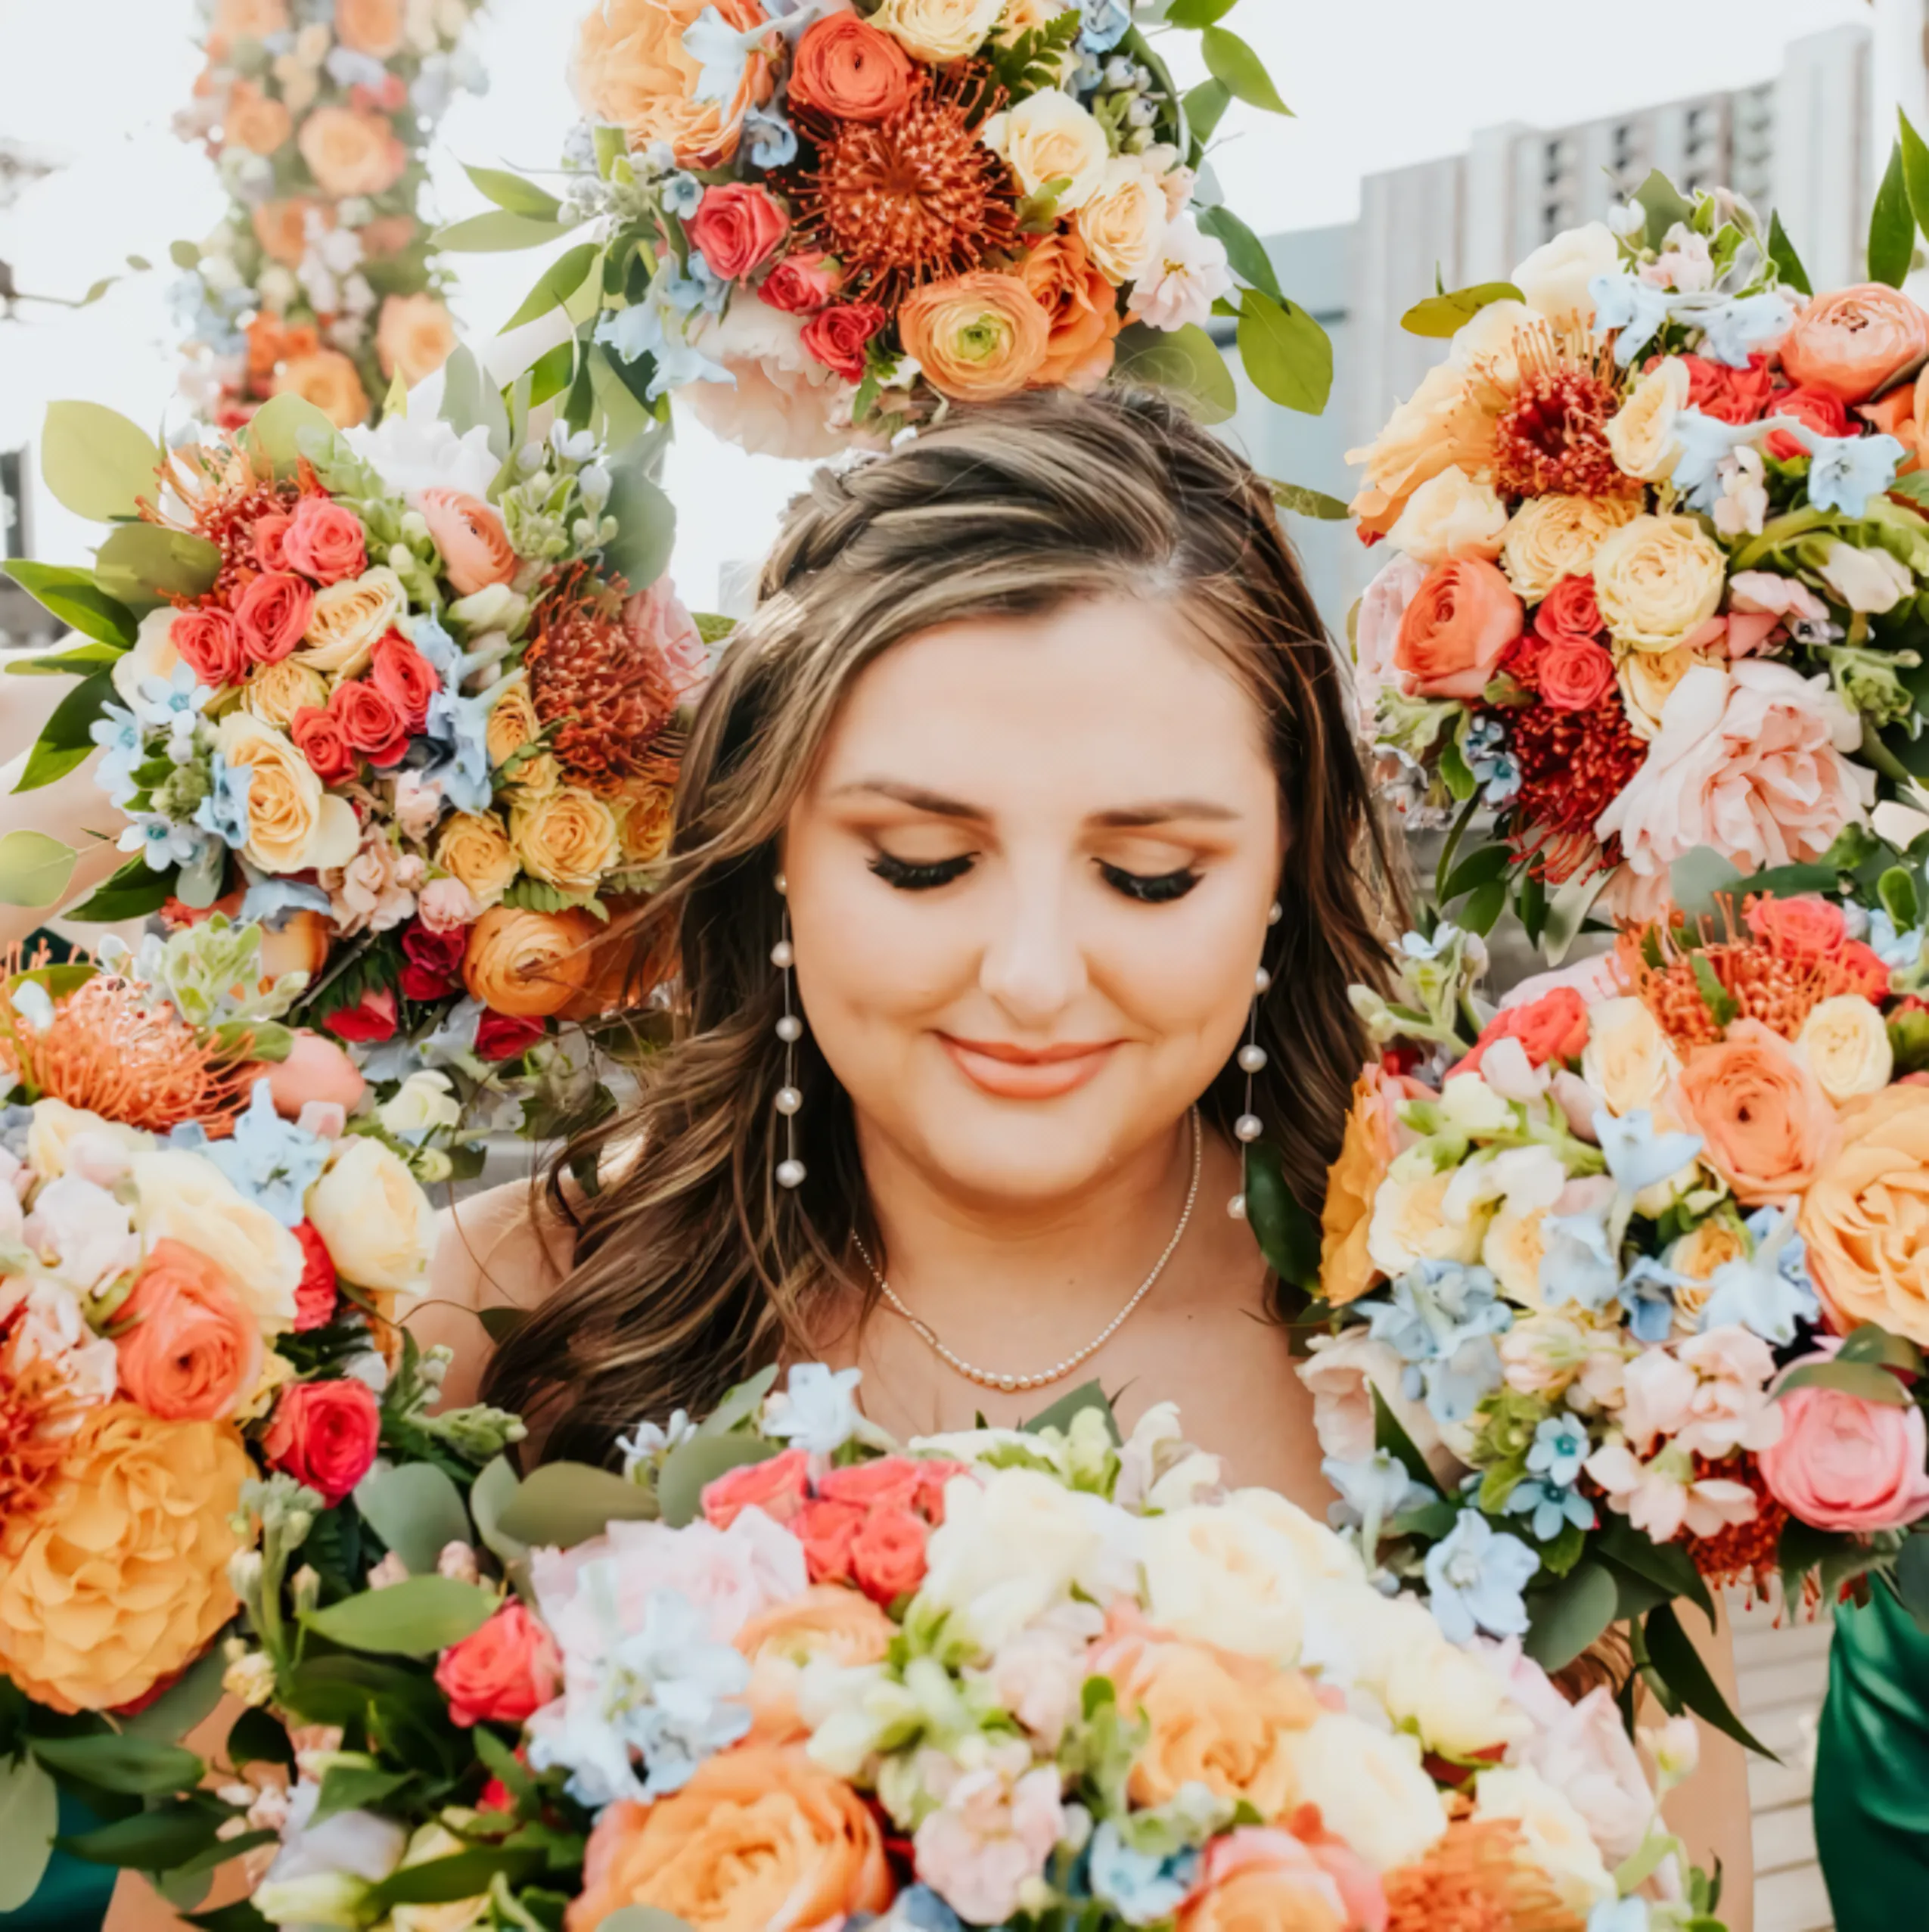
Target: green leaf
column 499, row 232
column 1198, row 13
column 1059, row 1415
column 34, row 869
column 1287, row 354
column 1389, row 1434
column 414, row 1618
column 1914, row 153
column 156, row 1840
column 74, row 663
column 1891, row 227
column 697, row 1462
column 1568, row 1617
column 240, row 1917
column 1287, row 1235
column 646, row 526
column 141, row 563
column 1721, row 1003
column 1912, row 1579
column 29, row 1815
column 131, row 894
column 1205, row 107
column 137, row 1767
column 416, row 1510
column 556, row 283
column 1244, row 250
column 566, row 1503
column 1699, row 879
column 1663, row 204
column 1679, row 1665
column 462, row 1874
column 1454, row 770
column 1896, row 890
column 1447, row 315
column 499, row 1323
column 1229, row 60
column 357, row 1787
column 1477, row 868
column 1849, row 1378
column 63, row 743
column 1185, row 361
column 1871, row 1342
column 739, row 1404
column 470, row 400
column 1782, row 252
column 274, row 430
column 512, row 192
column 1304, row 502
column 257, row 1738
column 74, row 598
column 182, row 1705
column 97, row 463
column 1667, row 1566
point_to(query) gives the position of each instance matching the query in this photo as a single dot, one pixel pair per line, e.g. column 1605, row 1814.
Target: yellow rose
column 1512, row 1249
column 513, row 727
column 633, row 70
column 1450, row 515
column 293, row 825
column 376, row 1222
column 55, row 1125
column 1647, row 680
column 180, row 1197
column 939, row 30
column 414, row 337
column 1554, row 1837
column 1847, row 1044
column 1049, row 136
column 1552, row 537
column 326, row 378
column 1373, row 1789
column 347, row 618
column 567, row 838
column 647, row 818
column 1123, row 220
column 277, row 691
column 1640, row 434
column 1629, row 1060
column 1656, row 579
column 475, row 848
column 1409, row 1224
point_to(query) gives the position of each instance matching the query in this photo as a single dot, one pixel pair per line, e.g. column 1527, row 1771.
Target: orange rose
column 1767, row 1126
column 349, row 152
column 326, row 378
column 121, row 1580
column 846, row 68
column 529, row 964
column 1462, row 618
column 979, row 336
column 1854, row 342
column 1257, row 1880
column 1866, row 1219
column 255, row 120
column 415, row 336
column 759, row 1837
column 1081, row 307
column 633, row 70
column 1346, row 1269
column 373, row 27
column 281, row 227
column 189, row 1351
column 827, row 1621
column 474, row 546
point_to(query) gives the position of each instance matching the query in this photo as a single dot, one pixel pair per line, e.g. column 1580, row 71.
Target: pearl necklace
column 992, row 1378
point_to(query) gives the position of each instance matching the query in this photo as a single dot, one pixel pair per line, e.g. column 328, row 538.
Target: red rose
column 325, row 1434
column 502, row 1037
column 325, row 541
column 369, row 721
column 319, row 737
column 373, row 1019
column 272, row 615
column 209, row 646
column 801, row 282
column 1552, row 1027
column 405, row 677
column 836, row 337
column 887, row 1554
column 269, row 529
column 1824, row 414
column 1806, row 929
column 315, row 1299
column 432, row 960
column 502, row 1673
column 737, row 225
column 1573, row 674
column 1568, row 614
column 1730, row 396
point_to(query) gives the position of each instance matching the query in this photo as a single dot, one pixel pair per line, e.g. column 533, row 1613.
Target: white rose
column 346, row 620
column 152, row 655
column 1628, row 1060
column 1867, row 580
column 61, row 1137
column 1409, row 1224
column 1640, row 434
column 1343, row 1372
column 1554, row 278
column 1847, row 1046
column 180, row 1197
column 1555, row 1838
column 1371, row 1789
column 1450, row 515
column 1458, row 1700
column 1047, row 137
column 374, row 1218
column 1586, row 1754
column 1320, row 1552
column 423, row 1102
column 1226, row 1576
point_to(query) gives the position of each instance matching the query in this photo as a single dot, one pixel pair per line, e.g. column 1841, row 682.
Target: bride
column 1023, row 863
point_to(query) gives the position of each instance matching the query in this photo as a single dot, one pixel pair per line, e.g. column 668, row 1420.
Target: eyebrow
column 1154, row 811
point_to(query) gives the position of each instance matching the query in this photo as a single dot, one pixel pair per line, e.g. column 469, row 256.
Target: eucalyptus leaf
column 510, row 191
column 1185, row 361
column 566, row 1503
column 1891, row 226
column 739, row 1404
column 34, row 869
column 416, row 1510
column 414, row 1618
column 696, row 1463
column 1871, row 1342
column 74, row 598
column 95, row 461
column 64, row 742
column 1447, row 315
column 1304, row 502
column 141, row 563
column 1663, row 204
column 1198, row 13
column 499, row 232
column 1230, row 61
column 646, row 526
column 1568, row 1617
column 556, row 283
column 29, row 1815
column 275, row 430
column 1287, row 354
column 471, row 400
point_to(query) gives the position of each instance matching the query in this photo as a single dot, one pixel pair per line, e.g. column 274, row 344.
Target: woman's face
column 1028, row 889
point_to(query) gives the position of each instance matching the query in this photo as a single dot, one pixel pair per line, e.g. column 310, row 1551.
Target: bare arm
column 73, row 809
column 1710, row 1811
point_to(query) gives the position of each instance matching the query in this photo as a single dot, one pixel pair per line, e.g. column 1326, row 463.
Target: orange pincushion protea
column 38, row 1410
column 1471, row 1880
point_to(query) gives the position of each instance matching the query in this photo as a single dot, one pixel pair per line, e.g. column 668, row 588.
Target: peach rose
column 1865, row 1219
column 1346, row 1269
column 979, row 336
column 281, row 227
column 646, row 817
column 414, row 337
column 329, row 379
column 529, row 964
column 1442, row 425
column 827, row 1624
column 1123, row 220
column 255, row 120
column 316, row 1070
column 189, row 1351
column 475, row 548
column 1854, row 343
column 475, row 848
column 1081, row 308
column 632, row 70
column 759, row 1837
column 1257, row 1880
column 1462, row 618
column 1765, row 1125
column 349, row 152
column 347, row 618
column 373, row 27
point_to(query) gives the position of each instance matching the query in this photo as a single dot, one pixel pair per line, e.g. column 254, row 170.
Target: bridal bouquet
column 1659, row 542
column 782, row 1673
column 821, row 225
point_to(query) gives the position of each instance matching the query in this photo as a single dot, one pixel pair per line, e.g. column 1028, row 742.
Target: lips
column 1016, row 1072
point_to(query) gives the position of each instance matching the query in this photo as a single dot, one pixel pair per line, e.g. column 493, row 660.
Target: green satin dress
column 73, row 1895
column 1872, row 1778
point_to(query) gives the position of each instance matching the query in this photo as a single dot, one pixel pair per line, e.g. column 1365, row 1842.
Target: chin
column 1032, row 1151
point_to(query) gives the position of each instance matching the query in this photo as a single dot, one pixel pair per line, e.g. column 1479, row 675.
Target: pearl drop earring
column 1252, row 1060
column 790, row 1030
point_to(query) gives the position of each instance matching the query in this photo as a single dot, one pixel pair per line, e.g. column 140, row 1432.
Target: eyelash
column 1150, row 889
column 902, row 874
column 1154, row 889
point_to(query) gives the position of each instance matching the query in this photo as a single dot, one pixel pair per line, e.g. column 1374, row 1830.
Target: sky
column 1376, row 84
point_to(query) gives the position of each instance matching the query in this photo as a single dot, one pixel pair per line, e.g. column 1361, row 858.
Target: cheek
column 1187, row 981
column 867, row 955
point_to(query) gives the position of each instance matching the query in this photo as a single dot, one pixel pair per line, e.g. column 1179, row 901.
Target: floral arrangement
column 821, row 225
column 393, row 697
column 1621, row 1279
column 781, row 1672
column 1660, row 533
column 199, row 1270
column 321, row 280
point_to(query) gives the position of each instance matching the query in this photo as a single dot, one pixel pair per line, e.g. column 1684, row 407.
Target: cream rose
column 1555, row 1839
column 1629, row 1060
column 1123, row 220
column 1450, row 515
column 376, row 1222
column 1647, row 680
column 1372, row 1788
column 1552, row 537
column 1320, row 1553
column 347, row 618
column 1640, row 434
column 1226, row 1576
column 277, row 691
column 939, row 30
column 180, row 1197
column 1554, row 278
column 1459, row 1704
column 474, row 849
column 1409, row 1224
column 153, row 655
column 1048, row 137
column 567, row 838
column 1512, row 1248
column 422, row 1102
column 293, row 825
column 1656, row 579
column 1847, row 1046
column 55, row 1128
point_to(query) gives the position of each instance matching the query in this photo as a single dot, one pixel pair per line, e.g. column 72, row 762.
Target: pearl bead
column 783, row 884
column 1236, row 1208
column 783, row 955
column 1008, row 1383
column 788, row 1100
column 1262, row 979
column 1275, row 913
column 790, row 1028
column 1248, row 1127
column 790, row 1173
column 1251, row 1059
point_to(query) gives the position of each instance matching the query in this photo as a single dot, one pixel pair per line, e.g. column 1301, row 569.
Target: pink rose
column 779, row 1487
column 1377, row 633
column 209, row 645
column 324, row 1434
column 1845, row 1463
column 417, row 806
column 655, row 619
column 887, row 1554
column 405, row 677
column 737, row 225
column 446, row 904
column 324, row 541
column 801, row 282
column 272, row 615
column 502, row 1674
column 1586, row 1754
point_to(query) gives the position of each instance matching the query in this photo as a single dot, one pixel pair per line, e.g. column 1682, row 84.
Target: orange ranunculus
column 350, row 152
column 759, row 1837
column 373, row 27
column 326, row 378
column 121, row 1580
column 827, row 1621
column 255, row 120
column 529, row 964
column 1767, row 1126
column 415, row 336
column 189, row 1351
column 1865, row 1219
column 475, row 548
column 1854, row 342
column 979, row 336
column 1904, row 414
column 1462, row 617
column 846, row 68
column 1082, row 308
column 632, row 70
column 1346, row 1269
column 281, row 227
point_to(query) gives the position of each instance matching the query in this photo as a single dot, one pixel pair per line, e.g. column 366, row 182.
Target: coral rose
column 779, row 1486
column 121, row 1580
column 369, row 723
column 1845, row 1463
column 759, row 1837
column 324, row 1434
column 1823, row 413
column 529, row 964
column 1866, row 1220
column 1767, row 1126
column 1573, row 675
column 414, row 337
column 207, row 641
column 293, row 825
column 978, row 335
column 475, row 848
column 837, row 336
column 501, row 1673
column 566, row 838
column 1554, row 1028
column 1346, row 1269
column 1730, row 396
column 377, row 1223
column 349, row 152
column 271, row 614
column 1123, row 220
column 1081, row 307
column 844, row 68
column 347, row 618
column 1804, row 928
column 1656, row 579
column 321, row 738
column 323, row 540
column 320, row 1293
column 805, row 279
column 405, row 677
column 737, row 225
column 1257, row 1880
column 191, row 1352
column 632, row 70
column 326, row 378
column 255, row 120
column 1462, row 618
column 475, row 548
column 842, row 1627
column 887, row 1555
column 281, row 228
column 1854, row 342
column 373, row 27
column 1568, row 614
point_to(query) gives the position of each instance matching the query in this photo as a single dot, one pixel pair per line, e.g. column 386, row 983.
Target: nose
column 1034, row 966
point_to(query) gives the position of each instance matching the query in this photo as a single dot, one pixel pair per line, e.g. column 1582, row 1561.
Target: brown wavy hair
column 691, row 1267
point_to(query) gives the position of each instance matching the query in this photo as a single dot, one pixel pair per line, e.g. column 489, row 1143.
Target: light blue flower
column 1845, row 471
column 1576, row 1261
column 1548, row 1506
column 773, row 141
column 1484, row 747
column 1767, row 1290
column 348, row 68
column 1647, row 1293
column 1637, row 1156
column 117, row 732
column 453, row 1042
column 271, row 1161
column 1559, row 1448
column 658, row 327
column 1441, row 1318
column 1629, row 1914
column 1107, row 22
column 683, row 193
column 459, row 728
column 1707, row 442
column 437, row 646
column 917, row 1908
column 1732, row 331
column 1622, row 301
column 163, row 843
column 1476, row 1574
column 224, row 812
column 1899, row 951
column 172, row 704
column 722, row 51
column 271, row 902
column 1141, row 1886
column 1372, row 1490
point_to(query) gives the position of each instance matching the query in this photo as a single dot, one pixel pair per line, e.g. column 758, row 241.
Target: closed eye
column 907, row 876
column 1150, row 888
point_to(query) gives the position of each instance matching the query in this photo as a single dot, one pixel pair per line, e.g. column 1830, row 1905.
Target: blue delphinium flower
column 1476, row 1574
column 1845, row 471
column 271, row 1161
column 1629, row 1914
column 1107, row 22
column 1767, row 1290
column 1898, row 951
column 1141, row 1886
column 1442, row 1319
column 1622, row 301
column 723, row 53
column 657, row 326
column 1637, row 1156
column 1731, row 331
column 1372, row 1490
column 117, row 732
column 224, row 812
column 1647, row 1293
column 162, row 842
column 459, row 727
column 1576, row 1263
column 773, row 141
column 1484, row 747
column 1706, row 442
